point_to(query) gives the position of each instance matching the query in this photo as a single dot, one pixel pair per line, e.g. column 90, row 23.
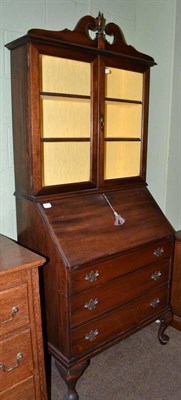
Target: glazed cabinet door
column 123, row 122
column 67, row 108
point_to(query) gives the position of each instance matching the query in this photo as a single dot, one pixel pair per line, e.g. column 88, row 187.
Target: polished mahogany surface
column 84, row 226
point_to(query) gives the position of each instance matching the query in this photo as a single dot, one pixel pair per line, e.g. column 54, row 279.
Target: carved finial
column 100, row 27
column 100, row 20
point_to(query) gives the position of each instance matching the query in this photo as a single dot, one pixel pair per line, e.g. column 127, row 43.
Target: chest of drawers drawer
column 14, row 308
column 98, row 300
column 99, row 273
column 15, row 359
column 21, row 391
column 117, row 322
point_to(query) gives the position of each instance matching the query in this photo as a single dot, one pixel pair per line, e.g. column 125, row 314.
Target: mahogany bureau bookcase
column 80, row 116
column 22, row 370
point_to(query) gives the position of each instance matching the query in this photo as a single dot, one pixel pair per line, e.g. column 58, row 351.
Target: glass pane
column 123, row 120
column 62, row 117
column 60, row 75
column 122, row 159
column 66, row 163
column 122, row 84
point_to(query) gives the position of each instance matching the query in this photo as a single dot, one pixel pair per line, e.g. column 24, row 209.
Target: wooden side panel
column 31, row 229
column 21, row 120
column 176, row 283
column 36, row 333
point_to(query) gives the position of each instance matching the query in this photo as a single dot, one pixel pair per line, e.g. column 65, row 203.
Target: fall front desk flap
column 84, row 228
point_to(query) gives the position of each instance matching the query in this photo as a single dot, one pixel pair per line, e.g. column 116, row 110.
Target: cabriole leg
column 71, row 376
column 164, row 323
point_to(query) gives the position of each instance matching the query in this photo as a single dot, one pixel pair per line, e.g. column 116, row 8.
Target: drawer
column 98, row 300
column 13, row 308
column 15, row 359
column 117, row 322
column 13, row 279
column 22, row 391
column 102, row 272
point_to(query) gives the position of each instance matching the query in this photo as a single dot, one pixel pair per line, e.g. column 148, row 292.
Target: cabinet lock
column 102, row 122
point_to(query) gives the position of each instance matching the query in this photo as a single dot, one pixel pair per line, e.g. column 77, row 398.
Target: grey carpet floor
column 138, row 368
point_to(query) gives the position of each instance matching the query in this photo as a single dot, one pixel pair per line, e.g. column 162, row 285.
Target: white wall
column 149, row 26
column 173, row 195
column 162, row 18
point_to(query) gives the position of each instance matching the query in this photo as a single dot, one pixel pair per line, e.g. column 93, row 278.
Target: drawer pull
column 156, row 275
column 158, row 252
column 91, row 335
column 91, row 304
column 92, row 277
column 14, row 310
column 155, row 302
column 19, row 358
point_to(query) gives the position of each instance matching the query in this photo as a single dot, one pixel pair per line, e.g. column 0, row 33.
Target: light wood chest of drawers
column 22, row 374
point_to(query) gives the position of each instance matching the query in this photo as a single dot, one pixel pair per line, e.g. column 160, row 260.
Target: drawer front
column 100, row 273
column 13, row 308
column 16, row 361
column 22, row 391
column 98, row 300
column 102, row 330
column 13, row 279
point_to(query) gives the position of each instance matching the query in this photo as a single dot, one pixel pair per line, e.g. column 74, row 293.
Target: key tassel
column 119, row 220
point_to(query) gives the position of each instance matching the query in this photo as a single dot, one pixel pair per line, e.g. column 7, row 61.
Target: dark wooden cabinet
column 80, row 116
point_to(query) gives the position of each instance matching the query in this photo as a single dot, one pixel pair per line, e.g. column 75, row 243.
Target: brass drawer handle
column 92, row 277
column 19, row 358
column 156, row 275
column 91, row 304
column 158, row 252
column 91, row 335
column 155, row 302
column 14, row 310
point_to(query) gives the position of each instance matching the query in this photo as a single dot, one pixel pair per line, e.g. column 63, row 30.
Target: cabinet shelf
column 65, row 95
column 85, row 97
column 117, row 100
column 68, row 139
column 122, row 139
